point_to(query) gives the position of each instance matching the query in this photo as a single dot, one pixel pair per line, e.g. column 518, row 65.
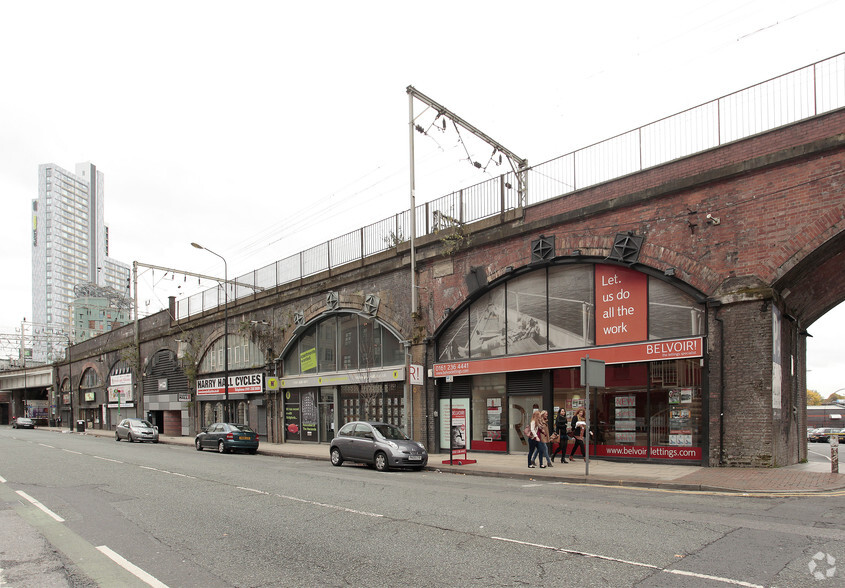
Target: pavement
column 803, row 478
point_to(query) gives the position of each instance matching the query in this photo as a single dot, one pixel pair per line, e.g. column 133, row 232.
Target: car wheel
column 381, row 462
column 253, row 451
column 198, row 444
column 116, row 436
column 337, row 458
column 130, row 438
column 221, row 447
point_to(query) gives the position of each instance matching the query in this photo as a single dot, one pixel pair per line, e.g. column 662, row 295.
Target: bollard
column 834, row 453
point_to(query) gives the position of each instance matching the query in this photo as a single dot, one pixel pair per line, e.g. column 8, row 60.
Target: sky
column 259, row 129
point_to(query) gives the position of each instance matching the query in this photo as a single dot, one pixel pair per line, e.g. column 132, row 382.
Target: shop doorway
column 520, row 410
column 328, row 398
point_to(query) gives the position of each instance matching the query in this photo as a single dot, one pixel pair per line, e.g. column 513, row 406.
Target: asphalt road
column 178, row 517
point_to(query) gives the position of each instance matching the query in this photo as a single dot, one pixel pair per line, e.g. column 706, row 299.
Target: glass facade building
column 69, row 246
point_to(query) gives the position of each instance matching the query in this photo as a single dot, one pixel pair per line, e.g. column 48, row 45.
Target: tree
column 813, row 398
column 833, row 397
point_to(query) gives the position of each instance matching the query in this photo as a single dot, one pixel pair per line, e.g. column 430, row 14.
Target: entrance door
column 521, row 408
column 327, row 401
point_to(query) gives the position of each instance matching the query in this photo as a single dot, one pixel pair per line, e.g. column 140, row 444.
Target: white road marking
column 45, row 445
column 2, row 480
column 106, row 459
column 335, row 507
column 631, row 563
column 251, row 490
column 167, row 472
column 39, row 505
column 131, row 568
column 69, row 451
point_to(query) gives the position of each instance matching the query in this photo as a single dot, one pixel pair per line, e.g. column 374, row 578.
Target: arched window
column 243, row 354
column 343, row 342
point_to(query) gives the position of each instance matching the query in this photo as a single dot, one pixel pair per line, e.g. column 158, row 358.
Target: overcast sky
column 259, row 129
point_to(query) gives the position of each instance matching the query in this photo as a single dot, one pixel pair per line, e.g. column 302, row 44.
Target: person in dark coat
column 560, row 429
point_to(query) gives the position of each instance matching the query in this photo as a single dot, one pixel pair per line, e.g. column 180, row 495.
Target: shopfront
column 120, row 395
column 92, row 397
column 344, row 366
column 245, row 365
column 517, row 348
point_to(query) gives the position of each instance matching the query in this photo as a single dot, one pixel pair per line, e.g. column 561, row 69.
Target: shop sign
column 632, row 353
column 121, row 380
column 308, row 360
column 184, row 397
column 247, row 384
column 643, row 452
column 621, row 305
column 416, row 375
column 124, row 393
column 272, row 383
column 89, row 396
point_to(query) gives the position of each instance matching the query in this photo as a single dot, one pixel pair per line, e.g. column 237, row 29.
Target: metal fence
column 800, row 94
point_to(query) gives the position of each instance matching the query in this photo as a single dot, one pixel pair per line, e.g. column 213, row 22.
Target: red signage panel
column 621, row 305
column 632, row 353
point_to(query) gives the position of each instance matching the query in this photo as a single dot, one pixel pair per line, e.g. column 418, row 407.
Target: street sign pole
column 592, row 372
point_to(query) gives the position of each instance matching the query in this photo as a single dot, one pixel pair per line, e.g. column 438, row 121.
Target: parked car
column 822, row 435
column 23, row 423
column 379, row 444
column 136, row 430
column 227, row 437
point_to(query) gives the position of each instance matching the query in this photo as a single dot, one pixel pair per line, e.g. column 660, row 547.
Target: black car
column 379, row 444
column 227, row 437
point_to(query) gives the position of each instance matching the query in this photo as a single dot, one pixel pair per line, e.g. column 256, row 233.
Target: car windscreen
column 140, row 424
column 241, row 428
column 390, row 432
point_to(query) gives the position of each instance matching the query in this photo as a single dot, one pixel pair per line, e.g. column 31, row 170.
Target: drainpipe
column 721, row 322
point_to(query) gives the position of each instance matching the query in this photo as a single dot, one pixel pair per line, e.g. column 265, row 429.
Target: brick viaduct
column 779, row 198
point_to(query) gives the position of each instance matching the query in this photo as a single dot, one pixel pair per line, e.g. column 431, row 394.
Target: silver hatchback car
column 136, row 430
column 379, row 444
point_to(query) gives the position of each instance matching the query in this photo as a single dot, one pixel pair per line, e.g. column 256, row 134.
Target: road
column 176, row 517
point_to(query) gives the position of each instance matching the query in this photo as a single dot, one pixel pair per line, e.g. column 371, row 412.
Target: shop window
column 327, row 345
column 453, row 344
column 487, row 325
column 672, row 313
column 571, row 310
column 527, row 314
column 489, row 423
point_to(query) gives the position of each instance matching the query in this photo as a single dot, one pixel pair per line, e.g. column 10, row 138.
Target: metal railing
column 797, row 95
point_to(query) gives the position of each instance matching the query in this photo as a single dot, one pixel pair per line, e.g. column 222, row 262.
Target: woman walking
column 560, row 429
column 533, row 439
column 579, row 431
column 543, row 439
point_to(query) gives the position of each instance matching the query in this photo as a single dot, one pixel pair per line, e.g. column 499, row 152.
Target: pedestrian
column 560, row 429
column 543, row 439
column 533, row 439
column 579, row 431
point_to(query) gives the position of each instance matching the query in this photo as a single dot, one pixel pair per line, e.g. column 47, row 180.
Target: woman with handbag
column 533, row 439
column 543, row 439
column 579, row 431
column 560, row 431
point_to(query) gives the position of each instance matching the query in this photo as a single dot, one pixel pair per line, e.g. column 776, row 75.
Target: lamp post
column 225, row 329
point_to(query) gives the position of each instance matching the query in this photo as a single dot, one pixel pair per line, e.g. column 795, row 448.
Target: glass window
column 327, row 345
column 453, row 343
column 348, row 341
column 308, row 351
column 487, row 325
column 527, row 324
column 671, row 312
column 489, row 426
column 571, row 321
column 370, row 343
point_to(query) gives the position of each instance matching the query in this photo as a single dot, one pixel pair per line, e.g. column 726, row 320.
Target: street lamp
column 225, row 329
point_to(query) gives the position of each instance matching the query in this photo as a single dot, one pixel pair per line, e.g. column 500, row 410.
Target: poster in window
column 494, row 414
column 308, row 415
column 292, row 416
column 674, row 396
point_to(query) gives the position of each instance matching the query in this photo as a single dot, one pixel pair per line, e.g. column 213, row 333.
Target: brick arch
column 815, row 282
